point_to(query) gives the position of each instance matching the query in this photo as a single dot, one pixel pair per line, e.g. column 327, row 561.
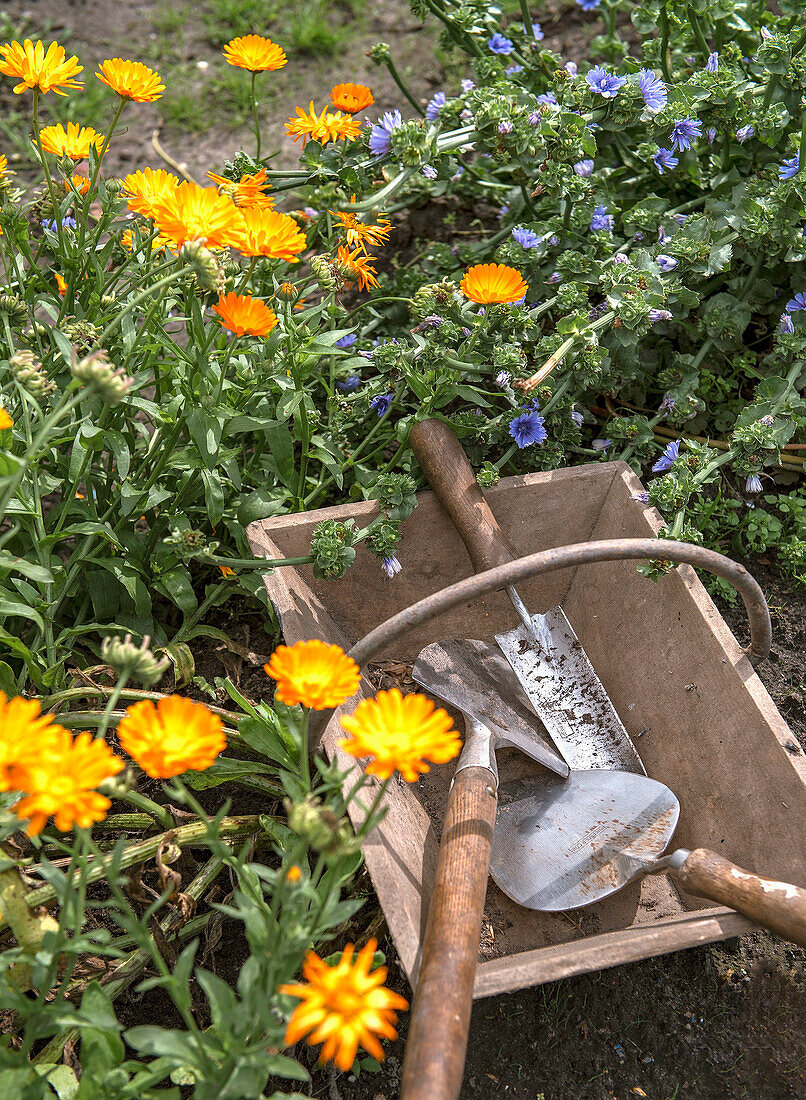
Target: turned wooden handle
column 440, row 1019
column 450, row 475
column 779, row 906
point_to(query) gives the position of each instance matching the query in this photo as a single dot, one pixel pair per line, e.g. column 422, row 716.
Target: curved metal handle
column 581, row 553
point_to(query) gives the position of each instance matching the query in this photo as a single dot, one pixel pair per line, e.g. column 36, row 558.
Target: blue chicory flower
column 67, row 223
column 380, row 138
column 468, row 86
column 753, row 484
column 786, row 324
column 685, row 131
column 584, row 168
column 381, row 403
column 390, row 565
column 601, row 445
column 548, row 98
column 345, row 342
column 537, row 32
column 653, row 90
column 601, row 220
column 555, row 277
column 349, row 384
column 577, row 418
column 534, row 118
column 589, row 5
column 667, row 404
column 526, row 238
column 503, row 378
column 604, row 83
column 659, row 315
column 797, row 303
column 668, row 458
column 429, row 171
column 500, row 45
column 528, row 428
column 642, row 497
column 665, row 160
column 666, row 263
column 505, row 126
column 710, row 134
column 439, row 99
column 712, row 64
column 789, row 168
column 744, row 134
column 511, row 70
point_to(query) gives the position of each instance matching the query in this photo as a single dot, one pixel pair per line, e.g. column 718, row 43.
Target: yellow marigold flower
column 193, row 213
column 5, row 420
column 270, row 233
column 34, row 67
column 60, row 283
column 3, row 164
column 77, row 183
column 171, row 737
column 322, row 128
column 25, row 736
column 159, row 242
column 358, row 234
column 226, row 571
column 343, row 1005
column 131, row 79
column 72, row 141
column 248, row 191
column 351, row 98
column 62, row 784
column 255, row 53
column 490, row 283
column 401, row 733
column 357, row 268
column 314, row 674
column 245, row 316
column 147, row 189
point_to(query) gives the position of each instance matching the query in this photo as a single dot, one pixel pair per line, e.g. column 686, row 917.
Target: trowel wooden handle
column 437, row 1038
column 779, row 906
column 450, row 475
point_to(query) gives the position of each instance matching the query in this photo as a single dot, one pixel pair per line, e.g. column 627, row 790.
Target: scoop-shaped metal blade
column 560, row 846
column 473, row 677
column 563, row 689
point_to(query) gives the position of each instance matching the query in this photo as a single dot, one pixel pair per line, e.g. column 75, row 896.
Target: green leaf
column 181, row 657
column 13, row 609
column 205, row 430
column 61, row 1078
column 178, row 587
column 30, row 569
column 281, row 443
column 223, row 771
column 268, row 741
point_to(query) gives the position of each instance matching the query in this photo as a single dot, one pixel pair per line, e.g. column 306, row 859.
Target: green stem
column 526, row 17
column 255, row 117
column 153, row 809
column 696, row 26
column 663, row 23
column 113, row 324
column 48, row 180
column 398, row 79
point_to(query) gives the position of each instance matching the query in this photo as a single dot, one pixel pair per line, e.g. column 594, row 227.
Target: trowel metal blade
column 562, row 686
column 560, row 846
column 472, row 676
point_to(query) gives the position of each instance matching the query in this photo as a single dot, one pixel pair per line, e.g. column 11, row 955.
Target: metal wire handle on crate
column 580, row 553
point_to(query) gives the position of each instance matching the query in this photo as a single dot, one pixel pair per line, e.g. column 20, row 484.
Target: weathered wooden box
column 699, row 715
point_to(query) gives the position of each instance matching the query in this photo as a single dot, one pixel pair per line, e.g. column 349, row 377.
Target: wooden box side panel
column 700, row 717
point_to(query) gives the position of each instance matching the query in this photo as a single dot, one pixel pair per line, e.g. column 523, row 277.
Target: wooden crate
column 697, row 712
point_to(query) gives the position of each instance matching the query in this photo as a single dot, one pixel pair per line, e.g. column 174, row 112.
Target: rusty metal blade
column 566, row 694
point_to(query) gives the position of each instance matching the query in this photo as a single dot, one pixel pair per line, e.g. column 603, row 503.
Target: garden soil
column 723, row 1022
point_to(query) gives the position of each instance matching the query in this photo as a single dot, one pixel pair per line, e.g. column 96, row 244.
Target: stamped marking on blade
column 568, row 696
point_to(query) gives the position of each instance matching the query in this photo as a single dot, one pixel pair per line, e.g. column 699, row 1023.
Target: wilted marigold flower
column 25, row 738
column 193, row 213
column 145, row 190
column 314, row 674
column 491, row 283
column 326, row 127
column 172, row 737
column 255, row 53
column 62, row 783
column 34, row 67
column 244, row 315
column 356, row 267
column 351, row 98
column 248, row 191
column 401, row 733
column 131, row 79
column 343, row 1006
column 72, row 141
column 270, row 233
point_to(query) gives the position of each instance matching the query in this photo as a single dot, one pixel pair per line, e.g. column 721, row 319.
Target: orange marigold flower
column 193, row 213
column 490, row 283
column 323, row 128
column 357, row 268
column 34, row 67
column 245, row 316
column 401, row 733
column 270, row 233
column 351, row 98
column 255, row 53
column 171, row 737
column 60, row 283
column 147, row 189
column 72, row 141
column 5, row 420
column 293, row 874
column 358, row 234
column 78, row 183
column 343, row 1006
column 314, row 674
column 226, row 571
column 62, row 784
column 158, row 243
column 26, row 737
column 131, row 79
column 248, row 191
